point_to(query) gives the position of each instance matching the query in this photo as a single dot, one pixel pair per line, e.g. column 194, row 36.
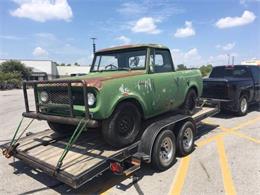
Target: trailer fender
column 152, row 131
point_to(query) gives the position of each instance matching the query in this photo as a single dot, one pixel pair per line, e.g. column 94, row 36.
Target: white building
column 251, row 62
column 47, row 69
column 65, row 71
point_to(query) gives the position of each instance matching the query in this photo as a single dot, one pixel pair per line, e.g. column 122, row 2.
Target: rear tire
column 123, row 126
column 242, row 105
column 164, row 151
column 185, row 139
column 189, row 104
column 61, row 128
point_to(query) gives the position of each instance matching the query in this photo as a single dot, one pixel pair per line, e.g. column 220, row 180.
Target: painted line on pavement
column 254, row 120
column 245, row 136
column 180, row 176
column 226, row 173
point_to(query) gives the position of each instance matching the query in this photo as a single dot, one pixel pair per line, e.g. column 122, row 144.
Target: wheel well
column 195, row 88
column 245, row 93
column 133, row 101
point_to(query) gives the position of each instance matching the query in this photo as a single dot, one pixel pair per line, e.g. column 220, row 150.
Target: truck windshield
column 232, row 71
column 119, row 60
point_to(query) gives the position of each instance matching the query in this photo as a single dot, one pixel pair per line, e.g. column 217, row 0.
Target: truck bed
column 86, row 159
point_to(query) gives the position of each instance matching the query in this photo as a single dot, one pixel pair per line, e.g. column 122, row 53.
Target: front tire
column 61, row 128
column 189, row 104
column 123, row 126
column 164, row 151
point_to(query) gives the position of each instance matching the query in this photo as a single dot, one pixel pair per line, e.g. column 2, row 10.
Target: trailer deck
column 89, row 156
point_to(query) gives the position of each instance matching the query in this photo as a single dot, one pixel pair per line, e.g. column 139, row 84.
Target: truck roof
column 132, row 46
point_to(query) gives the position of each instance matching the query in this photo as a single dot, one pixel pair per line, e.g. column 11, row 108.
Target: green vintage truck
column 126, row 85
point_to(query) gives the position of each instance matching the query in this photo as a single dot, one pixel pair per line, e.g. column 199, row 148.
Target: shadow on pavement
column 96, row 186
column 225, row 114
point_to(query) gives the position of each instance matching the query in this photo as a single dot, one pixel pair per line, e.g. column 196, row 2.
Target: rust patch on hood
column 93, row 82
column 97, row 82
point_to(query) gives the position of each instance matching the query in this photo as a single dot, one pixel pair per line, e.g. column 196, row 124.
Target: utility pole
column 228, row 59
column 94, row 44
column 233, row 60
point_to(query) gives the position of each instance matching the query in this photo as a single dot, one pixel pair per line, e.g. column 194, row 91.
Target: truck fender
column 138, row 100
column 152, row 131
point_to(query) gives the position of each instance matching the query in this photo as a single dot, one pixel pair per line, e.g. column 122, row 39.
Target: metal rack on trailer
column 89, row 156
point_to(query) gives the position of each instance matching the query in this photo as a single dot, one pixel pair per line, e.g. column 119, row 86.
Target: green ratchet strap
column 16, row 131
column 14, row 141
column 82, row 124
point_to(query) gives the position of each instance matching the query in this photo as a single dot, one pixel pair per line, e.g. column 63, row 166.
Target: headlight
column 91, row 99
column 44, row 96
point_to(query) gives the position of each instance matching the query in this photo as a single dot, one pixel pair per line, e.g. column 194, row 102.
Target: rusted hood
column 98, row 80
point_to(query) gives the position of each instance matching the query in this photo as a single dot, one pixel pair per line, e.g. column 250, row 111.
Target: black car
column 235, row 86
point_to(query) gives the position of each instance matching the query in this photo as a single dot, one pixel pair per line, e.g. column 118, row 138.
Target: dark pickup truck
column 234, row 86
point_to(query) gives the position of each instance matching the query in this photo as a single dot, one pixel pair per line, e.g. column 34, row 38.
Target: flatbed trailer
column 90, row 156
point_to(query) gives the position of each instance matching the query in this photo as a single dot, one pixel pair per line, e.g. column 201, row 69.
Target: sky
column 197, row 32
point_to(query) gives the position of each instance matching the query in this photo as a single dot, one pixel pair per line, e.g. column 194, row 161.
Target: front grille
column 65, row 97
column 58, row 94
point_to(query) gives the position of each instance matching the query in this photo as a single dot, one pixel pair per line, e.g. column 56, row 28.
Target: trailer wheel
column 185, row 139
column 164, row 150
column 61, row 128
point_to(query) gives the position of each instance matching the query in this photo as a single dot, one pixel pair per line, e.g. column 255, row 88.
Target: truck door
column 165, row 87
column 256, row 77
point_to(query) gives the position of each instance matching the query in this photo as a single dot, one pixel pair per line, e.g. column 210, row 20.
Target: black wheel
column 164, row 150
column 189, row 104
column 185, row 139
column 61, row 128
column 123, row 126
column 242, row 105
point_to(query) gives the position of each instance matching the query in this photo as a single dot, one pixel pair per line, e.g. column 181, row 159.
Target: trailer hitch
column 9, row 151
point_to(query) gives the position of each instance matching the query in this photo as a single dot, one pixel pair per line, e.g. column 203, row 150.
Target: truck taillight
column 116, row 168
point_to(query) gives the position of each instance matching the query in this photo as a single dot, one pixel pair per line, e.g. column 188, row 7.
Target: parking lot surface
column 225, row 161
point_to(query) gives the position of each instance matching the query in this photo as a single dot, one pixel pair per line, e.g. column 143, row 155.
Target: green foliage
column 181, row 67
column 10, row 80
column 55, row 63
column 205, row 70
column 16, row 67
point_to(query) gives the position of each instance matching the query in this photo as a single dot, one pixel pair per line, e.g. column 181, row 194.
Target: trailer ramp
column 86, row 159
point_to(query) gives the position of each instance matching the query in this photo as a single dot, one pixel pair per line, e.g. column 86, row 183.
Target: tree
column 181, row 67
column 76, row 64
column 205, row 69
column 16, row 67
column 55, row 63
